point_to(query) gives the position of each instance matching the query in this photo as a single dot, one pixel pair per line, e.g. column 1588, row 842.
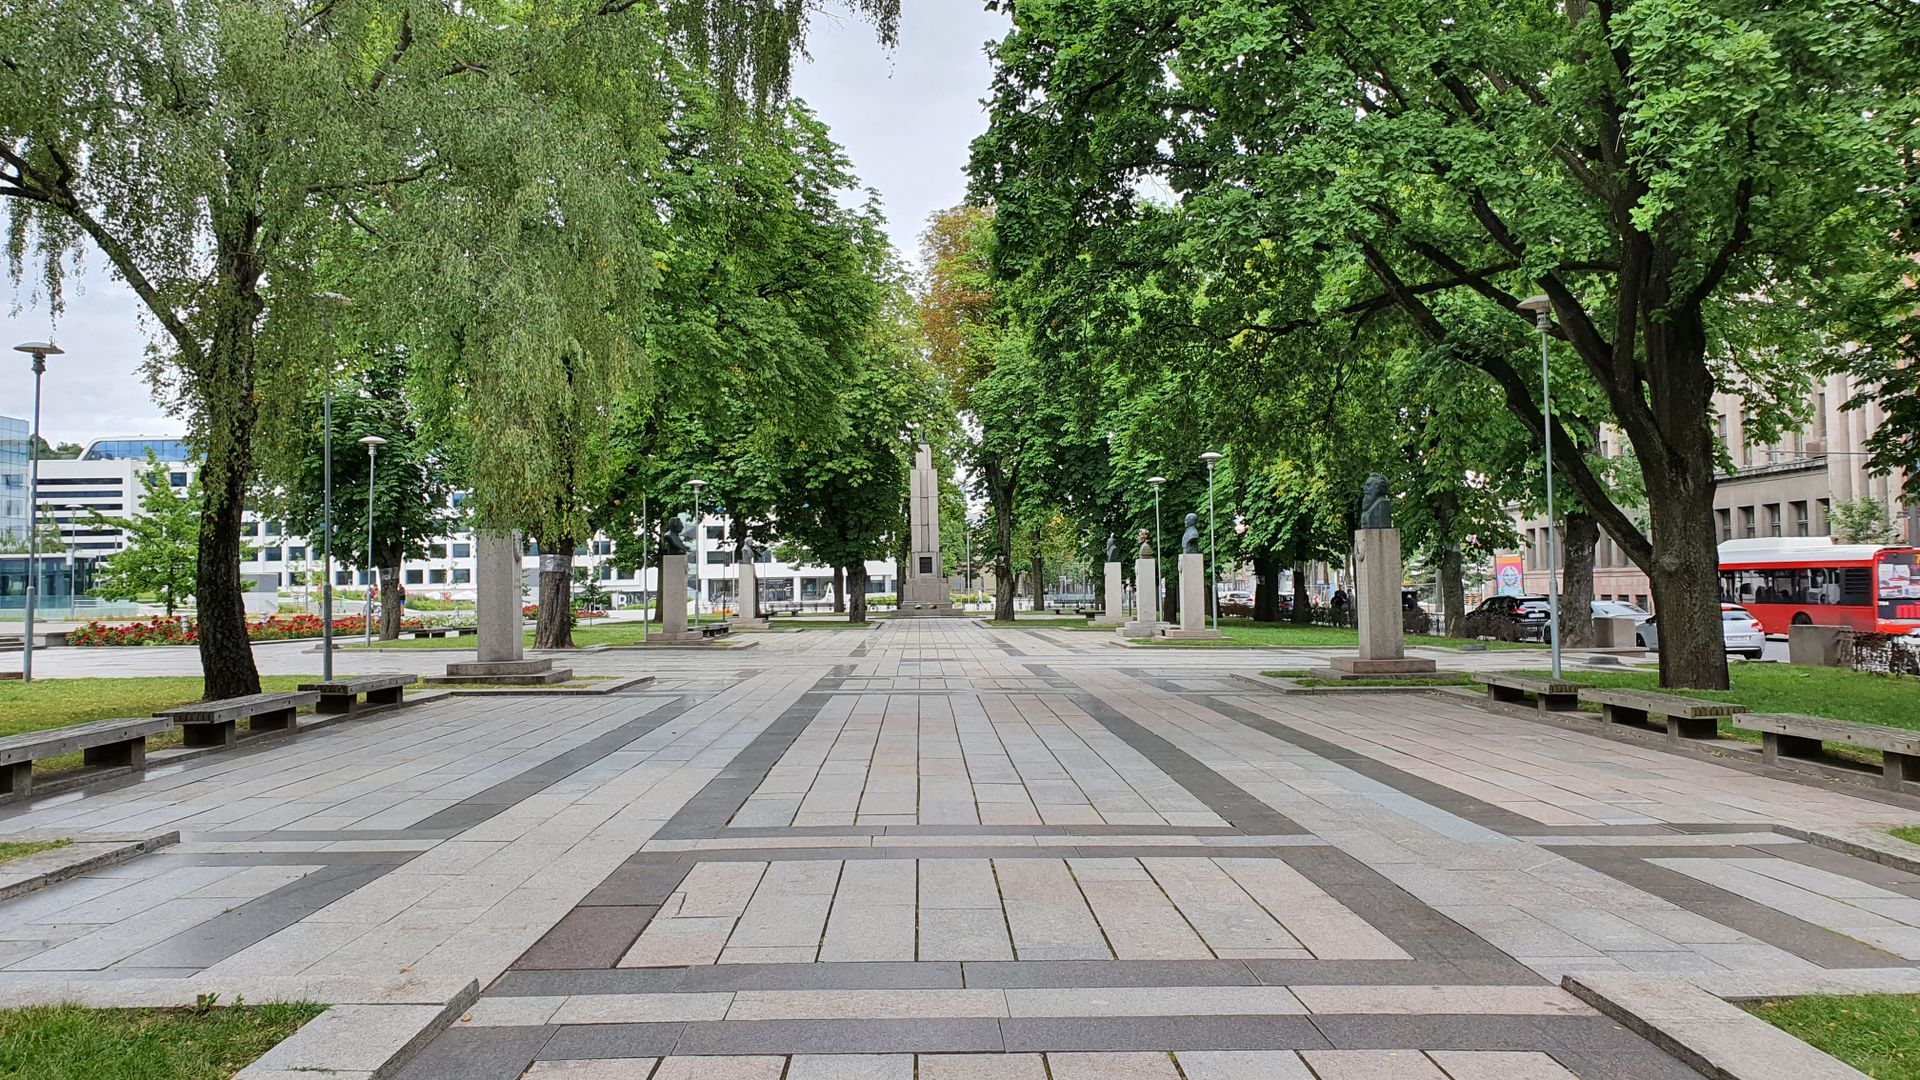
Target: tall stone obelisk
column 923, row 581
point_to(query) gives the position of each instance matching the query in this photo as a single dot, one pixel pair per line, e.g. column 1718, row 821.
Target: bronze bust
column 1376, row 504
column 671, row 541
column 1190, row 540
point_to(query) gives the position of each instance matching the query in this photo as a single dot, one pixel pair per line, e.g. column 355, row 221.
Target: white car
column 1618, row 609
column 1742, row 631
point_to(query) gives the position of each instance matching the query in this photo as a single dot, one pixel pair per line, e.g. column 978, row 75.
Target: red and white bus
column 1811, row 579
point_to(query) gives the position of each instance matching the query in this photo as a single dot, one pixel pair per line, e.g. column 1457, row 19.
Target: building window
column 1820, row 414
column 1748, row 526
column 273, row 528
column 1823, row 524
column 606, row 572
column 463, row 551
column 1640, row 601
column 415, row 577
column 366, row 577
column 436, row 551
column 343, row 577
column 1726, row 523
column 271, row 554
column 1773, row 519
column 436, row 577
column 720, row 558
column 1800, row 523
column 177, row 479
column 461, row 575
column 250, row 528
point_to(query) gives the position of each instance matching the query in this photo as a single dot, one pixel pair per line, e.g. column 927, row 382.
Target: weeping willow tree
column 215, row 152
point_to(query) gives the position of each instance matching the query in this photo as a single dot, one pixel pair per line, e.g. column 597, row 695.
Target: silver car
column 1742, row 631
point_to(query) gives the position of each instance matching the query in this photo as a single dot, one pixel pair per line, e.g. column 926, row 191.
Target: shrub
column 163, row 631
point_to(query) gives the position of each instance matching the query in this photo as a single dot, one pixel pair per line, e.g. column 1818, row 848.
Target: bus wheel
column 1801, row 618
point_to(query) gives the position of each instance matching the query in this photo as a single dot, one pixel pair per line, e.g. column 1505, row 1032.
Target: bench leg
column 131, row 754
column 1504, row 693
column 1623, row 714
column 1680, row 727
column 224, row 733
column 394, row 695
column 334, row 704
column 1559, row 702
column 1900, row 768
column 273, row 721
column 1774, row 746
column 16, row 778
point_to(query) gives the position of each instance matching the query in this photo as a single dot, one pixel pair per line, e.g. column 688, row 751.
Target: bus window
column 1899, row 586
column 1856, row 586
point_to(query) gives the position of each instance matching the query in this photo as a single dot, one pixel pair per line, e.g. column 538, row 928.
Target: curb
column 1704, row 1032
column 354, row 1040
column 75, row 859
column 1869, row 844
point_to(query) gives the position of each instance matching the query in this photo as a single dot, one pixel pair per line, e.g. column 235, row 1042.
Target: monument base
column 1194, row 635
column 1139, row 629
column 1111, row 613
column 925, row 610
column 502, row 673
column 1353, row 667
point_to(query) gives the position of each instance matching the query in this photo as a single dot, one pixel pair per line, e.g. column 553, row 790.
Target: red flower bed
column 163, row 631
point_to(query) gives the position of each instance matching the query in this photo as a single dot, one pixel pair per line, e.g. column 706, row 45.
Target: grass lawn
column 67, row 1042
column 1909, row 833
column 1245, row 632
column 806, row 623
column 1449, row 679
column 1879, row 1034
column 52, row 703
column 1041, row 622
column 10, row 850
column 1858, row 696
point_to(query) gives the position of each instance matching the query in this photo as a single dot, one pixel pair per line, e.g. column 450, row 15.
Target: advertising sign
column 1509, row 574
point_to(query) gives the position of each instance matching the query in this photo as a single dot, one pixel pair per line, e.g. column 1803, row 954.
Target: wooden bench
column 440, row 632
column 340, row 695
column 1687, row 718
column 713, row 629
column 1790, row 735
column 216, row 723
column 1549, row 695
column 120, row 743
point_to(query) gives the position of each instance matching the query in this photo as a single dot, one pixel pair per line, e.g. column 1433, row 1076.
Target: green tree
column 163, row 539
column 1862, row 521
column 413, row 488
column 215, row 150
column 1709, row 197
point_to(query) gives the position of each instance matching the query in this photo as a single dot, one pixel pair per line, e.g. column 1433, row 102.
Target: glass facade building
column 135, row 449
column 13, row 481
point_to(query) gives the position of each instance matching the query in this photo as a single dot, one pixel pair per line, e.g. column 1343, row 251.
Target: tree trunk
column 1453, row 588
column 839, row 589
column 857, row 592
column 227, row 392
column 1582, row 535
column 1002, row 496
column 555, row 627
column 1686, row 584
column 1039, row 572
column 393, row 603
column 1266, row 587
column 1170, row 603
column 1302, row 612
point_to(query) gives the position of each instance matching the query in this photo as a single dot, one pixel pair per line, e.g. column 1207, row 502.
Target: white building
column 106, row 478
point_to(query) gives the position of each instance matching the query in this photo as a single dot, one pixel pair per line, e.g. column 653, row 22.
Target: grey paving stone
column 1091, row 973
column 930, row 1036
column 1163, row 1033
column 587, row 937
column 612, row 1041
column 1647, row 1064
column 477, row 1054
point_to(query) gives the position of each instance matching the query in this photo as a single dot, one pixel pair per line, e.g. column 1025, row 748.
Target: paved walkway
column 933, row 850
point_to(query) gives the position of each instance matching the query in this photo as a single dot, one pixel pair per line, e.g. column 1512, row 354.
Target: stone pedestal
column 673, row 604
column 1146, row 611
column 1114, row 611
column 1378, row 574
column 1193, row 600
column 747, row 604
column 923, row 581
column 501, row 658
column 1816, row 646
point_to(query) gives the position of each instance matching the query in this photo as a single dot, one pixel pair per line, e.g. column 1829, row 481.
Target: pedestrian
column 1339, row 599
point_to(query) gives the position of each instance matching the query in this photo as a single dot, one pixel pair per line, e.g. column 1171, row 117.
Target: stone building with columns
column 1782, row 488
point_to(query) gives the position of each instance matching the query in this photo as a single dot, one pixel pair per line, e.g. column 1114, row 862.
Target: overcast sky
column 905, row 117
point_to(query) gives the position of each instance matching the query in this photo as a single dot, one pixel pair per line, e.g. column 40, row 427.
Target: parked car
column 1508, row 618
column 1619, row 609
column 1742, row 631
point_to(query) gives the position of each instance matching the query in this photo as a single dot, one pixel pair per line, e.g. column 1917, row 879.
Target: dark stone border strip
column 1224, row 797
column 767, row 832
column 483, row 805
column 503, row 1053
column 1806, row 940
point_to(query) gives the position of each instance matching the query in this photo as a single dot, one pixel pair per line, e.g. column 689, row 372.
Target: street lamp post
column 1213, row 549
column 39, row 350
column 696, row 485
column 646, row 613
column 72, row 567
column 373, row 443
column 335, row 302
column 1542, row 309
column 1156, row 481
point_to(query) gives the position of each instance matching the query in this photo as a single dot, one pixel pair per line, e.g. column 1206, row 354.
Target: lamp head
column 1542, row 309
column 1210, row 457
column 1156, row 481
column 373, row 442
column 696, row 484
column 39, row 350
